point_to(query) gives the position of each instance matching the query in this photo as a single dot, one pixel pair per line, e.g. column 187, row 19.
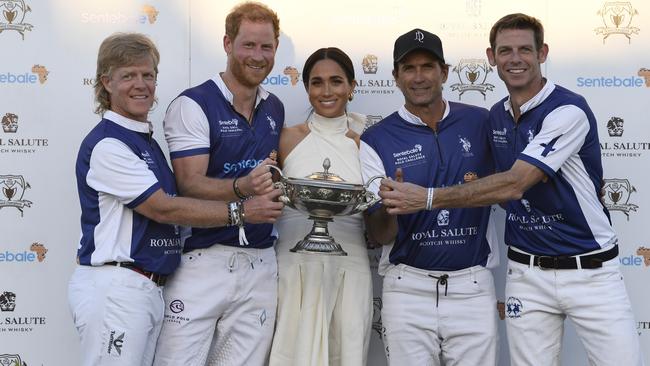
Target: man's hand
column 258, row 181
column 263, row 209
column 402, row 198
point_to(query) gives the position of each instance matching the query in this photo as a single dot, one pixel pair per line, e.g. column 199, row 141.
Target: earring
column 351, row 96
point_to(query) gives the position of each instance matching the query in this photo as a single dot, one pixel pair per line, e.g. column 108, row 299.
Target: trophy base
column 319, row 241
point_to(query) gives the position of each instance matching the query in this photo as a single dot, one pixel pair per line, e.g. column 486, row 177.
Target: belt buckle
column 539, row 259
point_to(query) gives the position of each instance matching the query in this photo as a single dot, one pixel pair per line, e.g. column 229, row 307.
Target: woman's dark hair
column 329, row 53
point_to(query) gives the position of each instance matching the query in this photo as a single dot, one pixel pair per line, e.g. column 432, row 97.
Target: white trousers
column 220, row 308
column 429, row 323
column 118, row 314
column 596, row 302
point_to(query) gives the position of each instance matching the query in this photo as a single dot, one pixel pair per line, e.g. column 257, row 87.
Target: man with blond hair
column 127, row 195
column 221, row 303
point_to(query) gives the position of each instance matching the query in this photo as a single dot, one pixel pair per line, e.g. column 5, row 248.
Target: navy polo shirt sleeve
column 117, row 171
column 187, row 130
column 562, row 135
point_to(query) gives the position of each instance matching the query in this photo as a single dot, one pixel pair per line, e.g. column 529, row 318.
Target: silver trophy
column 322, row 196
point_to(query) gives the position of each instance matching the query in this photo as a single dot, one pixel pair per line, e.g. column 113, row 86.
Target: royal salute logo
column 443, row 218
column 369, row 64
column 374, row 84
column 617, row 196
column 472, row 76
column 11, row 360
column 615, row 127
column 617, row 147
column 13, row 191
column 7, row 301
column 10, row 123
column 13, row 14
column 645, row 74
column 617, row 18
column 13, row 321
column 15, row 144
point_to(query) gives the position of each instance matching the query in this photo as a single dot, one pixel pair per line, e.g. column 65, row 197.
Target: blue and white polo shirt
column 203, row 121
column 557, row 133
column 119, row 166
column 443, row 239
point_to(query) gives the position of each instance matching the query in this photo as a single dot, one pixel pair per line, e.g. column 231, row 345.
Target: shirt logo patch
column 548, row 148
column 272, row 125
column 443, row 218
column 531, row 136
column 410, row 157
column 230, row 128
column 466, row 146
column 499, row 137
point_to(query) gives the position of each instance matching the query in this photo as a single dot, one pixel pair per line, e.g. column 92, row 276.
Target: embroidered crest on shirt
column 466, row 146
column 443, row 218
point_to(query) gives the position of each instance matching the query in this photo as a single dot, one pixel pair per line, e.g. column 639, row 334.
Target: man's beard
column 243, row 77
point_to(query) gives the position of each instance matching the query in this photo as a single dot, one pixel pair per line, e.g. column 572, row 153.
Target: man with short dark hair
column 562, row 249
column 438, row 296
column 221, row 303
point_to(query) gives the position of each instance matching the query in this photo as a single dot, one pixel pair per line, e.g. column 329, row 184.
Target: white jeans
column 118, row 314
column 424, row 326
column 596, row 302
column 220, row 308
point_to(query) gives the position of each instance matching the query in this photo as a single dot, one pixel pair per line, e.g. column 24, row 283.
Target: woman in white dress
column 324, row 302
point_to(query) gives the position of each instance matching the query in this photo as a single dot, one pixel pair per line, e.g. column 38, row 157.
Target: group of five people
column 235, row 295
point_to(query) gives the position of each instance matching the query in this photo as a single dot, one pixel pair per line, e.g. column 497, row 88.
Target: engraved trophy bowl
column 323, row 195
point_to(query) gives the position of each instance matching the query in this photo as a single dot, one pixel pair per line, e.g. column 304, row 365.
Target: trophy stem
column 319, row 240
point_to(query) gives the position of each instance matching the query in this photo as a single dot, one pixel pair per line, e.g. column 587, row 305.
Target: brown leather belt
column 158, row 279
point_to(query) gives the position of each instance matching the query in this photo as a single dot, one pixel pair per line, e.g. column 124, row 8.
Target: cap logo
column 419, row 36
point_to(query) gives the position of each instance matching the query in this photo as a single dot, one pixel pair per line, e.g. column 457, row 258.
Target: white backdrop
column 49, row 48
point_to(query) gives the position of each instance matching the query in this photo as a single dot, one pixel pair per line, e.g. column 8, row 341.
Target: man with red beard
column 221, row 302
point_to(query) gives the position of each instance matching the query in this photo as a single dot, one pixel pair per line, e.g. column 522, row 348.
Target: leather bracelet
column 235, row 187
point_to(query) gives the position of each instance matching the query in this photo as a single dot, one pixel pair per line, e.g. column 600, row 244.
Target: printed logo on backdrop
column 372, row 83
column 36, row 253
column 11, row 360
column 645, row 74
column 645, row 254
column 147, row 14
column 642, row 326
column 38, row 73
column 369, row 64
column 616, row 147
column 617, row 196
column 617, row 18
column 13, row 192
column 290, row 77
column 472, row 26
column 12, row 143
column 13, row 16
column 13, row 321
column 472, row 75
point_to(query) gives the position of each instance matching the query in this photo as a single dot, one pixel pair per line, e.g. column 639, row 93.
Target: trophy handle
column 371, row 198
column 282, row 184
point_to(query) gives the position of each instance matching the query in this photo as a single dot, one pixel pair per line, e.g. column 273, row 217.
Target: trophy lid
column 325, row 174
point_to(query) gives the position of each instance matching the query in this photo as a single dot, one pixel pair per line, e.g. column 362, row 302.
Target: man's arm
column 192, row 182
column 405, row 198
column 202, row 213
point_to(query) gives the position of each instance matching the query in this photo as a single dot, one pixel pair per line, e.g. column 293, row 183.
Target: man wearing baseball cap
column 438, row 295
